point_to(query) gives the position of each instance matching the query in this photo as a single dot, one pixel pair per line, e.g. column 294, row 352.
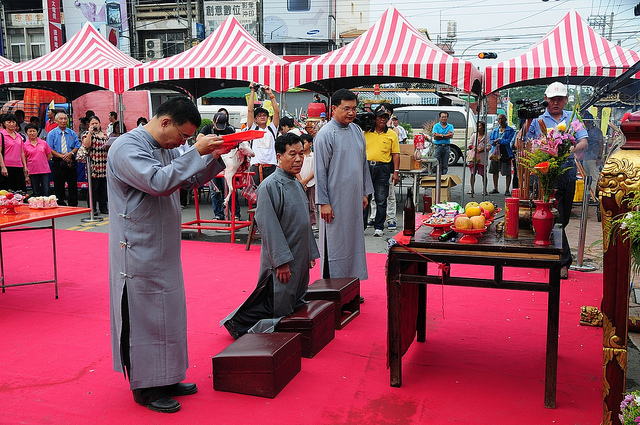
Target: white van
column 237, row 113
column 416, row 116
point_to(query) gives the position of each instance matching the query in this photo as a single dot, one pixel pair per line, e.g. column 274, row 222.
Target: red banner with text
column 55, row 24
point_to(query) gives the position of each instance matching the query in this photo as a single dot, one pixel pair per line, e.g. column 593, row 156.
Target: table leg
column 553, row 318
column 55, row 257
column 415, row 189
column 394, row 322
column 421, row 326
column 196, row 203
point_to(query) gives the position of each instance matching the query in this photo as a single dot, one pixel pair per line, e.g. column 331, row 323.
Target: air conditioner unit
column 153, row 48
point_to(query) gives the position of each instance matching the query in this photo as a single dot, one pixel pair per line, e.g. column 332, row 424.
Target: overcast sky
column 518, row 23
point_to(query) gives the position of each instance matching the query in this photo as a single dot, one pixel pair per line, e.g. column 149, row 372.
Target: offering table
column 408, row 276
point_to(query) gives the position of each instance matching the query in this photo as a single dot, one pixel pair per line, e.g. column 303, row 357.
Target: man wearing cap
column 383, row 154
column 557, row 96
column 264, row 162
column 400, row 131
column 593, row 153
column 323, row 121
column 219, row 127
column 442, row 133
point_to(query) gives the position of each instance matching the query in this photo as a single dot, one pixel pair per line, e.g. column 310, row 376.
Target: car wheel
column 454, row 156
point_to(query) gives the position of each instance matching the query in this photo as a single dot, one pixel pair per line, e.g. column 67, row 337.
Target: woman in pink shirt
column 14, row 159
column 38, row 154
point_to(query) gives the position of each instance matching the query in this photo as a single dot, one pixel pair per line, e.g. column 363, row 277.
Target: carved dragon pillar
column 620, row 176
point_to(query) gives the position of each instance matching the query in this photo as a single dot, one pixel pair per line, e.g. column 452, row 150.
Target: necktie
column 63, row 144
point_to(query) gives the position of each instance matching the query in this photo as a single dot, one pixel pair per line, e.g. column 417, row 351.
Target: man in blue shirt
column 64, row 144
column 556, row 95
column 442, row 134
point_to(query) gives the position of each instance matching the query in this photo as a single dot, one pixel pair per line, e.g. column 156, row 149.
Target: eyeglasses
column 185, row 137
column 348, row 110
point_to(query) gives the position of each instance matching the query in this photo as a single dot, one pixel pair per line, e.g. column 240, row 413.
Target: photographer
column 264, row 162
column 557, row 96
column 94, row 141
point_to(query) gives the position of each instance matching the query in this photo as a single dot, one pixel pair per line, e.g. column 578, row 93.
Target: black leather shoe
column 181, row 388
column 156, row 399
column 164, row 405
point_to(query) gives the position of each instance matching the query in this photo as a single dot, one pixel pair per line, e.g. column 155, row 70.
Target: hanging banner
column 52, row 8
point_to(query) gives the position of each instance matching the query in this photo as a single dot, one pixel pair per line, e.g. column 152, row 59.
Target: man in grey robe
column 289, row 249
column 148, row 307
column 343, row 183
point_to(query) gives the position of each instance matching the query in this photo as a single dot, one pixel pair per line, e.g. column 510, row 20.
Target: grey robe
column 144, row 253
column 282, row 215
column 342, row 180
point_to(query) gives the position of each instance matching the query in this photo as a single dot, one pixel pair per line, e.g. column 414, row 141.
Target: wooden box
column 315, row 322
column 343, row 292
column 258, row 364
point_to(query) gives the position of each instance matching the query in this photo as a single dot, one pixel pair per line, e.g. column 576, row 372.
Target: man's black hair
column 34, row 118
column 286, row 121
column 342, row 94
column 306, row 137
column 286, row 140
column 181, row 110
column 113, row 114
column 443, row 112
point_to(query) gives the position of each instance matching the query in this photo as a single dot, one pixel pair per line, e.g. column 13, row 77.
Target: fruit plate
column 468, row 234
column 438, row 228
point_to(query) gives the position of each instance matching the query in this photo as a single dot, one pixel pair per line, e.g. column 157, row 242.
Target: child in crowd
column 306, row 177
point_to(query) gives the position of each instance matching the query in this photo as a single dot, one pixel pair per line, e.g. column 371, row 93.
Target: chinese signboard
column 26, row 19
column 215, row 12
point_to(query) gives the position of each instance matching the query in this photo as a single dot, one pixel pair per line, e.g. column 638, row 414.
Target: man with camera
column 557, row 96
column 264, row 162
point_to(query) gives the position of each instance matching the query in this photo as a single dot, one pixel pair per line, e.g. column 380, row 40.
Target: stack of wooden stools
column 263, row 364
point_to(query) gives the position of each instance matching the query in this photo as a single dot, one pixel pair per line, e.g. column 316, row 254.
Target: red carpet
column 483, row 363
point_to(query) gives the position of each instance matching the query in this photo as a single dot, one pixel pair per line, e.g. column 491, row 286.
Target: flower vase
column 542, row 220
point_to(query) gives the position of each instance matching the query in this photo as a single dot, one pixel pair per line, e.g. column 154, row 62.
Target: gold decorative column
column 620, row 176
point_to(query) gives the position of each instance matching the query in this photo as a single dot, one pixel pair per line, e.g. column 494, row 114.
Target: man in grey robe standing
column 343, row 183
column 148, row 306
column 289, row 249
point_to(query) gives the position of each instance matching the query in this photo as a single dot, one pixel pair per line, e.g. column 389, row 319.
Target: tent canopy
column 571, row 52
column 85, row 63
column 404, row 55
column 229, row 57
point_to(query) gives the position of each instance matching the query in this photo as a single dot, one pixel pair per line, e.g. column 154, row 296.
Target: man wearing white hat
column 557, row 96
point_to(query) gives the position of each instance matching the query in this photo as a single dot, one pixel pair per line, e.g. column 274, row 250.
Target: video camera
column 366, row 120
column 531, row 108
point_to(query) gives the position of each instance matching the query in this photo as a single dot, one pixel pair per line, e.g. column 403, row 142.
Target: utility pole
column 189, row 26
column 610, row 27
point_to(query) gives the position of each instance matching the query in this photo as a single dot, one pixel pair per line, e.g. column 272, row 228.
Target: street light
column 479, row 42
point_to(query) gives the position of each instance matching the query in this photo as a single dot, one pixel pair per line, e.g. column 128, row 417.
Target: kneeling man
column 289, row 249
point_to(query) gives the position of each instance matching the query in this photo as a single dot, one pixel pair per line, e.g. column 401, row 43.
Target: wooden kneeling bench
column 315, row 322
column 258, row 364
column 343, row 292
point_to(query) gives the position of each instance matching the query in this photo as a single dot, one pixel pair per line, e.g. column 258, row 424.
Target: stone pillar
column 619, row 178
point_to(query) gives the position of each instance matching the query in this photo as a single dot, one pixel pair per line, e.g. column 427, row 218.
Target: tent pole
column 466, row 145
column 121, row 113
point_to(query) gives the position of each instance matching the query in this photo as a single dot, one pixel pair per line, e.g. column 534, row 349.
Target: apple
column 477, row 222
column 471, row 204
column 488, row 206
column 463, row 223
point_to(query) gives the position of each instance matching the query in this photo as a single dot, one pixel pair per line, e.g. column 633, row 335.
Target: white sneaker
column 378, row 233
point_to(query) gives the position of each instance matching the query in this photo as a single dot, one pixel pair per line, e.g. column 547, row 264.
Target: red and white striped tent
column 392, row 50
column 86, row 62
column 4, row 62
column 571, row 52
column 229, row 57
